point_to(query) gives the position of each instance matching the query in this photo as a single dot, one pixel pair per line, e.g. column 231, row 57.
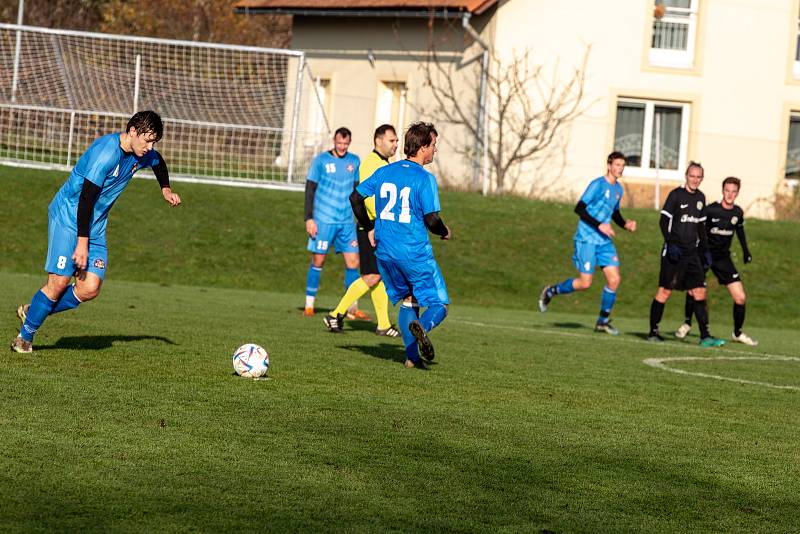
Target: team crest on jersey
column 99, row 264
column 350, row 168
column 699, row 204
column 734, row 219
column 353, row 243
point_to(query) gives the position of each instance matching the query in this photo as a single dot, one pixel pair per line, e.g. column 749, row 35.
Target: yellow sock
column 380, row 300
column 356, row 290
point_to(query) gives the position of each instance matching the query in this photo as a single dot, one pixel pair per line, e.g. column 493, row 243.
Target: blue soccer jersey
column 335, row 178
column 106, row 165
column 404, row 193
column 601, row 199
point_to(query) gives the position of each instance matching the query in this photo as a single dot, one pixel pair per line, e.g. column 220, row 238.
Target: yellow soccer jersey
column 370, row 164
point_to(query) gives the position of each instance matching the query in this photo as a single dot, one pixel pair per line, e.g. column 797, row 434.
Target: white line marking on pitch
column 659, row 363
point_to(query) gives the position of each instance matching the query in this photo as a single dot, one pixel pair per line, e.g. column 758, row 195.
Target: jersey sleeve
column 367, row 187
column 429, row 195
column 357, row 172
column 591, row 191
column 154, row 158
column 314, row 170
column 102, row 164
column 619, row 200
column 670, row 204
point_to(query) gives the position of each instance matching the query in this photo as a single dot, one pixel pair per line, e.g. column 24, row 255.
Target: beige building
column 716, row 81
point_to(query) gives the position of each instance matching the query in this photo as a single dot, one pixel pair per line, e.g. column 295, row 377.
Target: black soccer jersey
column 685, row 213
column 721, row 225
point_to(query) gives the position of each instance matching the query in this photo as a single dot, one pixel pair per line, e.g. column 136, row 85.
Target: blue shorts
column 422, row 279
column 588, row 256
column 341, row 236
column 61, row 244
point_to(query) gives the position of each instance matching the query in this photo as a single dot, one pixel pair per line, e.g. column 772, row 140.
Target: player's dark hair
column 695, row 164
column 146, row 122
column 615, row 155
column 418, row 135
column 381, row 130
column 343, row 132
column 732, row 180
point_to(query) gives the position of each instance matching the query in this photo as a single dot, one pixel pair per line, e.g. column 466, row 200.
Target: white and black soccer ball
column 250, row 361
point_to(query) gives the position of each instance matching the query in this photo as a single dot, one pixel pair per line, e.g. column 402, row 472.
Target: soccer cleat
column 683, row 330
column 711, row 341
column 22, row 312
column 308, row 312
column 606, row 327
column 544, row 298
column 425, row 345
column 358, row 315
column 744, row 338
column 392, row 331
column 22, row 346
column 655, row 337
column 419, row 364
column 334, row 323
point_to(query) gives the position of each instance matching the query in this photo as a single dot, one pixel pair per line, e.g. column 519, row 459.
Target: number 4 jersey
column 404, row 193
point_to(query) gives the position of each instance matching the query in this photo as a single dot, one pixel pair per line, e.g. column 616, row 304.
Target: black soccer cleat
column 425, row 345
column 544, row 298
column 334, row 323
column 655, row 337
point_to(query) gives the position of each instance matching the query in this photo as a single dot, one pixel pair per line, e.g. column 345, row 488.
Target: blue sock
column 565, row 287
column 407, row 314
column 606, row 303
column 434, row 315
column 41, row 306
column 67, row 301
column 312, row 280
column 350, row 276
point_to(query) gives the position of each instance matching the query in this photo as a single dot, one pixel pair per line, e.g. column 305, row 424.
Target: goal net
column 232, row 114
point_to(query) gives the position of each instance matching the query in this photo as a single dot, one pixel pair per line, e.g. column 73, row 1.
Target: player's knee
column 662, row 295
column 582, row 284
column 613, row 283
column 740, row 299
column 371, row 279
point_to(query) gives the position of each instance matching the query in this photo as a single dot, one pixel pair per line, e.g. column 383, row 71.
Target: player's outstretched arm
column 162, row 175
column 360, row 211
column 743, row 241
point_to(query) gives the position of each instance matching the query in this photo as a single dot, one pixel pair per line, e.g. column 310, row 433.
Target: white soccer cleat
column 683, row 330
column 744, row 338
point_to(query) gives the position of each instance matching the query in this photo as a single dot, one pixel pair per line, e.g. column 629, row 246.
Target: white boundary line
column 659, row 363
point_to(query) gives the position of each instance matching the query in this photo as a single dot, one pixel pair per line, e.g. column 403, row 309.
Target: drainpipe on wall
column 479, row 172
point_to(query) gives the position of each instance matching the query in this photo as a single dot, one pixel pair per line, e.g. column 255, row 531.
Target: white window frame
column 662, row 57
column 645, row 171
column 796, row 65
column 791, row 182
column 385, row 110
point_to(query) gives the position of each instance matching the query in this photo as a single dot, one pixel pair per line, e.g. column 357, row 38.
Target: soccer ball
column 250, row 361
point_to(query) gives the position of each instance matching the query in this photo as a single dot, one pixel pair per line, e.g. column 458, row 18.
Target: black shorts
column 686, row 273
column 366, row 253
column 725, row 271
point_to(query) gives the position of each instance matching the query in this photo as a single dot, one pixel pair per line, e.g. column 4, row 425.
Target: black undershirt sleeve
column 360, row 211
column 663, row 224
column 89, row 194
column 162, row 173
column 618, row 218
column 742, row 240
column 580, row 209
column 311, row 190
column 702, row 245
column 435, row 224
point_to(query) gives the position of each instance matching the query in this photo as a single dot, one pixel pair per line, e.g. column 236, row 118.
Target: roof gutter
column 397, row 13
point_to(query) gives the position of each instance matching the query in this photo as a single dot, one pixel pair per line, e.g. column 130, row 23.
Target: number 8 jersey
column 404, row 193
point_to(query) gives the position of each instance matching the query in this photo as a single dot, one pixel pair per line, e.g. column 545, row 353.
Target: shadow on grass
column 573, row 326
column 97, row 342
column 385, row 351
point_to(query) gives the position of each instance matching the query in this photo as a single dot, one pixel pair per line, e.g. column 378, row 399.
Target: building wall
column 358, row 54
column 740, row 89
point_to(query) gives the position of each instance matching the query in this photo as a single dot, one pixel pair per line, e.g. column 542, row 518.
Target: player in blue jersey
column 77, row 219
column 331, row 179
column 407, row 207
column 597, row 207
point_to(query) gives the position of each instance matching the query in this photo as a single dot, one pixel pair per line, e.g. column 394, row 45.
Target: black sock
column 688, row 309
column 656, row 312
column 738, row 318
column 701, row 312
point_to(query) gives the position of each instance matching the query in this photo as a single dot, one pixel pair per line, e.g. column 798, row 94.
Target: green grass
column 128, row 417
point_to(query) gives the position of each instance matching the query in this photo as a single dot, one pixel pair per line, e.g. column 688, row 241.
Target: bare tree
column 529, row 109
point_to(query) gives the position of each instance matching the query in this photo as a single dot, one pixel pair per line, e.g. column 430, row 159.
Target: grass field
column 128, row 416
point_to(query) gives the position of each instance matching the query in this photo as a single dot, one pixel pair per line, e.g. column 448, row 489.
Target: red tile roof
column 473, row 6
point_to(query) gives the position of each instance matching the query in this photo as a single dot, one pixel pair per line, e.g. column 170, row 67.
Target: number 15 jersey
column 404, row 193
